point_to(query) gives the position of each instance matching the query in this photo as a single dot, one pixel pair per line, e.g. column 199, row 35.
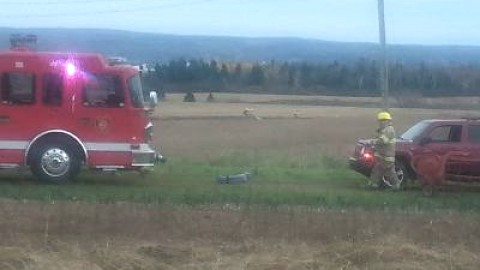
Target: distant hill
column 152, row 48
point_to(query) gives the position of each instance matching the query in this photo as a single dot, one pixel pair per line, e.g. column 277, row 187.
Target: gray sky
column 407, row 21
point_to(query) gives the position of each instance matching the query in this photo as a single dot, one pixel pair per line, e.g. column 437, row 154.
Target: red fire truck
column 60, row 112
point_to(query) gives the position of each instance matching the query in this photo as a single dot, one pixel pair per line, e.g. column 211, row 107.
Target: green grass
column 315, row 181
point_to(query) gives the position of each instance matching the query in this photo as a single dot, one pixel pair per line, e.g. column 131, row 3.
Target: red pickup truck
column 431, row 138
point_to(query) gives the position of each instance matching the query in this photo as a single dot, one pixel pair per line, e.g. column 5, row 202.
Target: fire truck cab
column 60, row 112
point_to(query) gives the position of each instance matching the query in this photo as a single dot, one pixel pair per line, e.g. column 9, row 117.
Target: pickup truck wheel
column 54, row 163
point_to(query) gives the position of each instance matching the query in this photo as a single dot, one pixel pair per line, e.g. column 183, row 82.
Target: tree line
column 358, row 78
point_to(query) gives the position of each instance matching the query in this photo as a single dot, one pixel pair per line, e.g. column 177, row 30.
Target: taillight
column 367, row 156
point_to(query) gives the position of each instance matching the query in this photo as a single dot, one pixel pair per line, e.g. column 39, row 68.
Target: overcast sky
column 407, row 21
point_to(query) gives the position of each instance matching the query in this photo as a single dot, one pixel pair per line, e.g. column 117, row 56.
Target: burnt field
column 303, row 209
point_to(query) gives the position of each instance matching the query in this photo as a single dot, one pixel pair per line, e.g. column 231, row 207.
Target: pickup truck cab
column 432, row 137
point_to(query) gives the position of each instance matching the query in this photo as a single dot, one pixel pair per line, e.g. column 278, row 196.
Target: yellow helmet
column 382, row 116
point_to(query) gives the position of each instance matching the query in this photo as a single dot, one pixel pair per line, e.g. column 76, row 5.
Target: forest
column 355, row 78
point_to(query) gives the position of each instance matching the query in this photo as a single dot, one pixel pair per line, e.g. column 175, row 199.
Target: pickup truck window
column 413, row 132
column 450, row 133
column 474, row 134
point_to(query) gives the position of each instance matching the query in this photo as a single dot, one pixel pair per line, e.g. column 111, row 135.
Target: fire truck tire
column 55, row 163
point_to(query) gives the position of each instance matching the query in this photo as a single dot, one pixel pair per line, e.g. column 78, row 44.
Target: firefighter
column 384, row 153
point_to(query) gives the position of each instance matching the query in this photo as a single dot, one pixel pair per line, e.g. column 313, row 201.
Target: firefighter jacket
column 385, row 143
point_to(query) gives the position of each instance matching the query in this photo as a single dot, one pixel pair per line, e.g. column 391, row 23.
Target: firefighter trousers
column 384, row 170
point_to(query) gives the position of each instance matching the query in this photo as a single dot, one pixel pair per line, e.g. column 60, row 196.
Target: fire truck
column 60, row 112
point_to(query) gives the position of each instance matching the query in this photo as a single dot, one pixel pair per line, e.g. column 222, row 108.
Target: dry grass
column 78, row 235
column 407, row 100
column 392, row 253
column 130, row 236
column 203, row 130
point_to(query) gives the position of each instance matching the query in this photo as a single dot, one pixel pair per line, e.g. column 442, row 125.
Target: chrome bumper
column 146, row 157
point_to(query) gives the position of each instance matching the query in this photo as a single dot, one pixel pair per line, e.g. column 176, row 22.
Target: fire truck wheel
column 54, row 163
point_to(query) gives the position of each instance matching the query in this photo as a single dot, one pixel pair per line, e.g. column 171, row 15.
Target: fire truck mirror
column 153, row 98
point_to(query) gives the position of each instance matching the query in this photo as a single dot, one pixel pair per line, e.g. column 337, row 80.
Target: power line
column 62, row 3
column 110, row 11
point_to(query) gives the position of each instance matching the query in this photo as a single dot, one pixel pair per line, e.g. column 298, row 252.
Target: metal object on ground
column 234, row 179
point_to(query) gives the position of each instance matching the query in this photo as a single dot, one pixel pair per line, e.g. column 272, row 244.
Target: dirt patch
column 15, row 258
column 167, row 254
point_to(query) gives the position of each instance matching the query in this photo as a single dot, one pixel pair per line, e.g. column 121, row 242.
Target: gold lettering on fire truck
column 102, row 125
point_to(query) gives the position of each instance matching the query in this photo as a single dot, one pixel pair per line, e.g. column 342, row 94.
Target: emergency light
column 70, row 69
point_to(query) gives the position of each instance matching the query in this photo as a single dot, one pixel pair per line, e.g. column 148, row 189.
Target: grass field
column 303, row 208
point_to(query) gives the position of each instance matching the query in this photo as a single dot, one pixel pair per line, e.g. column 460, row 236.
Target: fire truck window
column 18, row 88
column 52, row 89
column 447, row 134
column 103, row 91
column 136, row 92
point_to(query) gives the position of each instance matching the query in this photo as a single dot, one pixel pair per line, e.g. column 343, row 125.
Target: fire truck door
column 53, row 100
column 99, row 110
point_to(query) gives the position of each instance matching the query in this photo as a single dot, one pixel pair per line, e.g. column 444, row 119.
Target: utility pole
column 383, row 56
